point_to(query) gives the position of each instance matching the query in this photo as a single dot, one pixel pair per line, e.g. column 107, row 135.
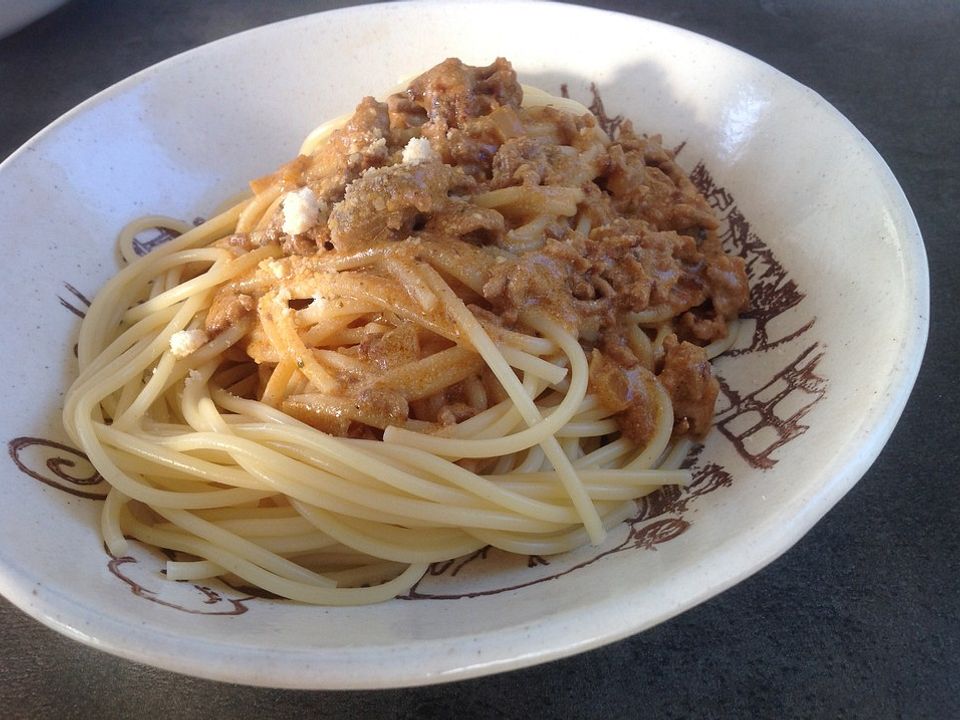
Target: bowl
column 810, row 392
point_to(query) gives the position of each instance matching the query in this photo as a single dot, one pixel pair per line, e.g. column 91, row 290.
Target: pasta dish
column 463, row 316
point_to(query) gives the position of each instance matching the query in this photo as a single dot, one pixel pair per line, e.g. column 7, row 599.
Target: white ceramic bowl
column 811, row 393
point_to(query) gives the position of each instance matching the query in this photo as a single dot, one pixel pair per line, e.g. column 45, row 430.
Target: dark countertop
column 860, row 619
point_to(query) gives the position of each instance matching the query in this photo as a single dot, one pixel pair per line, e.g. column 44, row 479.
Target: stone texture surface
column 860, row 619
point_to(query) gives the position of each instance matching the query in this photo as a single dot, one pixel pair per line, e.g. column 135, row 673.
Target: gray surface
column 860, row 619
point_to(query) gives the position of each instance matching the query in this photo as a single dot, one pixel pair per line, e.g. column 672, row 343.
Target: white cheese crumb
column 276, row 268
column 301, row 211
column 187, row 342
column 418, row 150
column 377, row 148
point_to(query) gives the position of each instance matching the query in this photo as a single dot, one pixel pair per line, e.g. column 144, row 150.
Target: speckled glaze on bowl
column 810, row 392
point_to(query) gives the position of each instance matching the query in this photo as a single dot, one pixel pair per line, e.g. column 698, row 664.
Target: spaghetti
column 462, row 317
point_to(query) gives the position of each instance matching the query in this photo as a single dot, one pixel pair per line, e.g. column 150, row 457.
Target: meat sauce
column 639, row 247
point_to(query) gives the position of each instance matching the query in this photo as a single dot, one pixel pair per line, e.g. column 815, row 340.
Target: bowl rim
column 300, row 668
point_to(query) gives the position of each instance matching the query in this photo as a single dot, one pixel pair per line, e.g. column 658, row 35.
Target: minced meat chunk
column 389, row 203
column 456, row 107
column 364, row 142
column 452, row 93
column 393, row 202
column 688, row 378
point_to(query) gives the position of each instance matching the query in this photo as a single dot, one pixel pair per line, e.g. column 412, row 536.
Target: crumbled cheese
column 187, row 342
column 418, row 150
column 378, row 148
column 301, row 211
column 275, row 268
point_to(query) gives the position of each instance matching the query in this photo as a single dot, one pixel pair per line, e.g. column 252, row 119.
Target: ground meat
column 688, row 378
column 364, row 142
column 298, row 245
column 390, row 203
column 647, row 268
column 726, row 279
column 622, row 267
column 521, row 161
column 701, row 325
column 452, row 93
column 404, row 113
column 645, row 182
column 473, row 154
column 638, row 264
column 466, row 221
column 614, row 345
column 610, row 382
column 453, row 413
column 544, row 280
column 305, row 243
column 596, row 206
column 625, row 392
column 392, row 349
column 530, row 161
column 456, row 107
column 227, row 308
column 448, row 407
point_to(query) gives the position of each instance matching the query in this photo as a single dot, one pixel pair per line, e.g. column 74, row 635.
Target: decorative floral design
column 77, row 295
column 142, row 572
column 757, row 411
column 57, row 465
column 149, row 238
